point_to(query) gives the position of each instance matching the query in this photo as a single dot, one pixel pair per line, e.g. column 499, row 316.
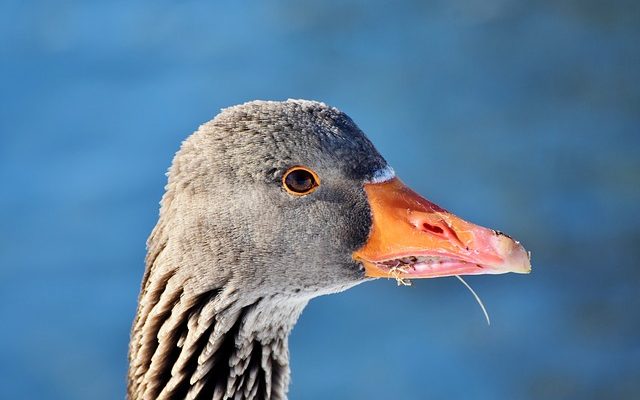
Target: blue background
column 519, row 115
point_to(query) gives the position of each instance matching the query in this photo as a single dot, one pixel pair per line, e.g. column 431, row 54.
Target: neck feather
column 197, row 341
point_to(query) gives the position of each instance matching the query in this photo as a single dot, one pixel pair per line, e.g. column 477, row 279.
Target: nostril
column 432, row 228
column 438, row 227
column 430, row 224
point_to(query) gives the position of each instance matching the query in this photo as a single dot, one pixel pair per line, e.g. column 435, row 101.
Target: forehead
column 282, row 134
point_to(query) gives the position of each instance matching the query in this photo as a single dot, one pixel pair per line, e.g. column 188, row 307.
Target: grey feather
column 234, row 258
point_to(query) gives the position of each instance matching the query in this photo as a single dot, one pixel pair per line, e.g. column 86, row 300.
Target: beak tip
column 516, row 258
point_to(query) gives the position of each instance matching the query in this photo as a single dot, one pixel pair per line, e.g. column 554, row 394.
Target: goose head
column 267, row 206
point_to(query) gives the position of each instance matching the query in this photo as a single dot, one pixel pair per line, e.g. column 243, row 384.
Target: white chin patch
column 383, row 175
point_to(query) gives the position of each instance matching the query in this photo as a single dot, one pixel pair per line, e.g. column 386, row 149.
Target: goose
column 268, row 205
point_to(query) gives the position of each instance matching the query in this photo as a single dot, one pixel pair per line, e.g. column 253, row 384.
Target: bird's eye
column 299, row 181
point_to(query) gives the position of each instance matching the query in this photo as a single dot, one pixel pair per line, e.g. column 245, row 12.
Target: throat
column 217, row 344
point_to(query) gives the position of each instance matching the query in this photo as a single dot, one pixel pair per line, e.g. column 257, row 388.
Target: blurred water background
column 519, row 115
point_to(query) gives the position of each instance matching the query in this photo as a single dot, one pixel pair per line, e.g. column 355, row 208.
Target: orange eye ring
column 300, row 181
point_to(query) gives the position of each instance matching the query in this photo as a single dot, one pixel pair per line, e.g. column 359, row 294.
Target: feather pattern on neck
column 202, row 342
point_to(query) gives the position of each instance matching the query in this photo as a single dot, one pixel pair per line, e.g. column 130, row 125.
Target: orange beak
column 413, row 238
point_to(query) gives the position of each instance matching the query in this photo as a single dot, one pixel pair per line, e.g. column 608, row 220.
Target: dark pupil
column 299, row 181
